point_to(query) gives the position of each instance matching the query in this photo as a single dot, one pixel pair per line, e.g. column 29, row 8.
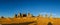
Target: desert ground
column 30, row 21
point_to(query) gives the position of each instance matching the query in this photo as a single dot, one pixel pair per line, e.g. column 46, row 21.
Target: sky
column 10, row 7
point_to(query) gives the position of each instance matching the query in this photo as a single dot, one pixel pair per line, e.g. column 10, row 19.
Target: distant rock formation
column 30, row 15
column 2, row 16
column 46, row 15
column 24, row 15
column 50, row 16
column 15, row 16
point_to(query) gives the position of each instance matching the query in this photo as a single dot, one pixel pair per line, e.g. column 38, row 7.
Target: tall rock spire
column 15, row 16
column 29, row 15
column 19, row 14
column 46, row 15
column 50, row 15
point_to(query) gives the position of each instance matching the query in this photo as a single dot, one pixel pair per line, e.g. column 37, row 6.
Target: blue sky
column 9, row 7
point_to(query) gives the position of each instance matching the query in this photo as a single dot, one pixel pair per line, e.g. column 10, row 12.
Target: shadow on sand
column 49, row 23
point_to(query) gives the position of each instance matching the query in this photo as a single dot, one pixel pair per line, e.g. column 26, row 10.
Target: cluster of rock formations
column 21, row 18
column 29, row 15
column 22, row 15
